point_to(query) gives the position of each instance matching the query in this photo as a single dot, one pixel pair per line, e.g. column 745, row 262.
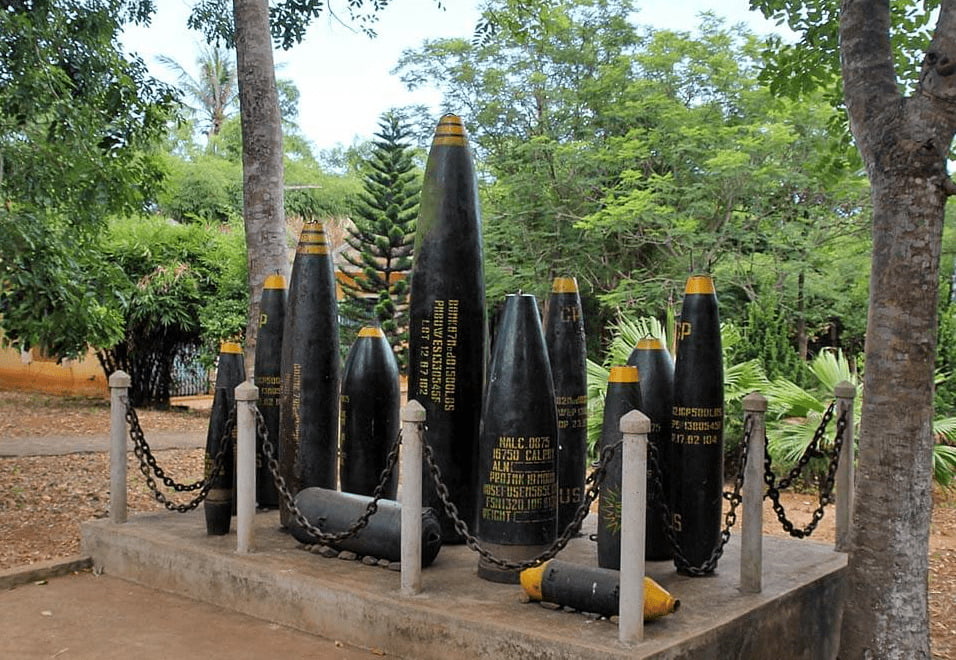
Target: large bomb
column 591, row 589
column 220, row 497
column 268, row 378
column 623, row 395
column 656, row 369
column 697, row 427
column 309, row 422
column 333, row 512
column 447, row 319
column 518, row 452
column 371, row 397
column 567, row 352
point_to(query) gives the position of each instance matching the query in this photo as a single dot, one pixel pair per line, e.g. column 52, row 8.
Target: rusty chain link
column 148, row 465
column 730, row 518
column 268, row 451
column 826, row 490
column 596, row 478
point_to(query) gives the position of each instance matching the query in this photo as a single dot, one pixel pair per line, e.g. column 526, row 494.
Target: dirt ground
column 44, row 498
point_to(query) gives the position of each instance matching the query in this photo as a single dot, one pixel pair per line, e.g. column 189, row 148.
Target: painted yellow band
column 312, row 249
column 450, row 132
column 700, row 284
column 531, row 579
column 230, row 347
column 370, row 331
column 623, row 375
column 274, row 282
column 650, row 344
column 564, row 285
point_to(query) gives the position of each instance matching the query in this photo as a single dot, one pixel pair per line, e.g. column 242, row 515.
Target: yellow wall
column 28, row 372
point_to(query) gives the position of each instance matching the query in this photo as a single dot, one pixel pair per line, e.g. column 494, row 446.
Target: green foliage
column 381, row 237
column 182, row 286
column 205, row 189
column 625, row 156
column 79, row 123
column 767, row 339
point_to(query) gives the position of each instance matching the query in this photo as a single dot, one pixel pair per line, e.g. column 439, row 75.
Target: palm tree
column 214, row 92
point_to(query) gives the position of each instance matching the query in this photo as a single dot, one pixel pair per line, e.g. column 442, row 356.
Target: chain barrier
column 730, row 518
column 812, row 451
column 148, row 465
column 595, row 479
column 268, row 451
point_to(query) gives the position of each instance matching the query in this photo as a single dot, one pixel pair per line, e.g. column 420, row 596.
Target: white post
column 246, row 395
column 751, row 535
column 845, row 393
column 119, row 393
column 413, row 419
column 635, row 426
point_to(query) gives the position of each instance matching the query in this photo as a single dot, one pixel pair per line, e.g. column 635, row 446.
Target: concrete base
column 460, row 615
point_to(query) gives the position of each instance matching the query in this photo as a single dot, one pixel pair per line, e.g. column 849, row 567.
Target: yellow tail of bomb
column 591, row 589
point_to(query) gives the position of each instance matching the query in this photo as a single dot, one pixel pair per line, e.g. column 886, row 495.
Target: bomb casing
column 656, row 369
column 623, row 395
column 371, row 398
column 309, row 422
column 591, row 589
column 447, row 327
column 567, row 353
column 697, row 427
column 220, row 498
column 268, row 378
column 334, row 512
column 518, row 452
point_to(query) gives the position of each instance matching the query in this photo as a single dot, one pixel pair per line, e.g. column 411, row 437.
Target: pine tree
column 381, row 236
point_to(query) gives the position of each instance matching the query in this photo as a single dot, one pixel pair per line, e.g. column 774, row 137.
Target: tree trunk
column 904, row 143
column 262, row 170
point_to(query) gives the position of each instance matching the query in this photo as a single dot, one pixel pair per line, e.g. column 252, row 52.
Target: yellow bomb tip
column 531, row 581
column 230, row 347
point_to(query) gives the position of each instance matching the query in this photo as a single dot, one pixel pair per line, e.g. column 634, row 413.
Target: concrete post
column 751, row 535
column 246, row 395
column 119, row 395
column 635, row 426
column 845, row 393
column 413, row 419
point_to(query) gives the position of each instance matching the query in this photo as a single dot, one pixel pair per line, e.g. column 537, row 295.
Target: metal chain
column 826, row 490
column 730, row 518
column 268, row 451
column 596, row 478
column 148, row 465
column 139, row 440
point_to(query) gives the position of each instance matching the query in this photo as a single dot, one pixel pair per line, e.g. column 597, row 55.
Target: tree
column 213, row 90
column 79, row 126
column 382, row 236
column 248, row 27
column 904, row 139
column 178, row 287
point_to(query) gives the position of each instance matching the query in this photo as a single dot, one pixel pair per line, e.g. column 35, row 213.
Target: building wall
column 36, row 373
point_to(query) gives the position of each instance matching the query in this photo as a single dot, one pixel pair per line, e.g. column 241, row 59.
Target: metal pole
column 751, row 534
column 845, row 393
column 635, row 426
column 119, row 393
column 413, row 419
column 246, row 395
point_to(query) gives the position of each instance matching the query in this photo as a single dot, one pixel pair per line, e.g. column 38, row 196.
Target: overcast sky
column 343, row 76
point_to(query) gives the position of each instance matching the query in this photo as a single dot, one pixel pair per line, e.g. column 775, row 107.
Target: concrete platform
column 462, row 616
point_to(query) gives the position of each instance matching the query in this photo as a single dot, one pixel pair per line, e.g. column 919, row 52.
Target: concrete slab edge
column 13, row 577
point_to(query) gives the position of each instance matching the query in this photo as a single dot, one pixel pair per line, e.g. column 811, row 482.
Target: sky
column 344, row 77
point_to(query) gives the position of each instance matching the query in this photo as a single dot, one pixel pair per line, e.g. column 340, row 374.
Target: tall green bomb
column 567, row 353
column 447, row 332
column 309, row 421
